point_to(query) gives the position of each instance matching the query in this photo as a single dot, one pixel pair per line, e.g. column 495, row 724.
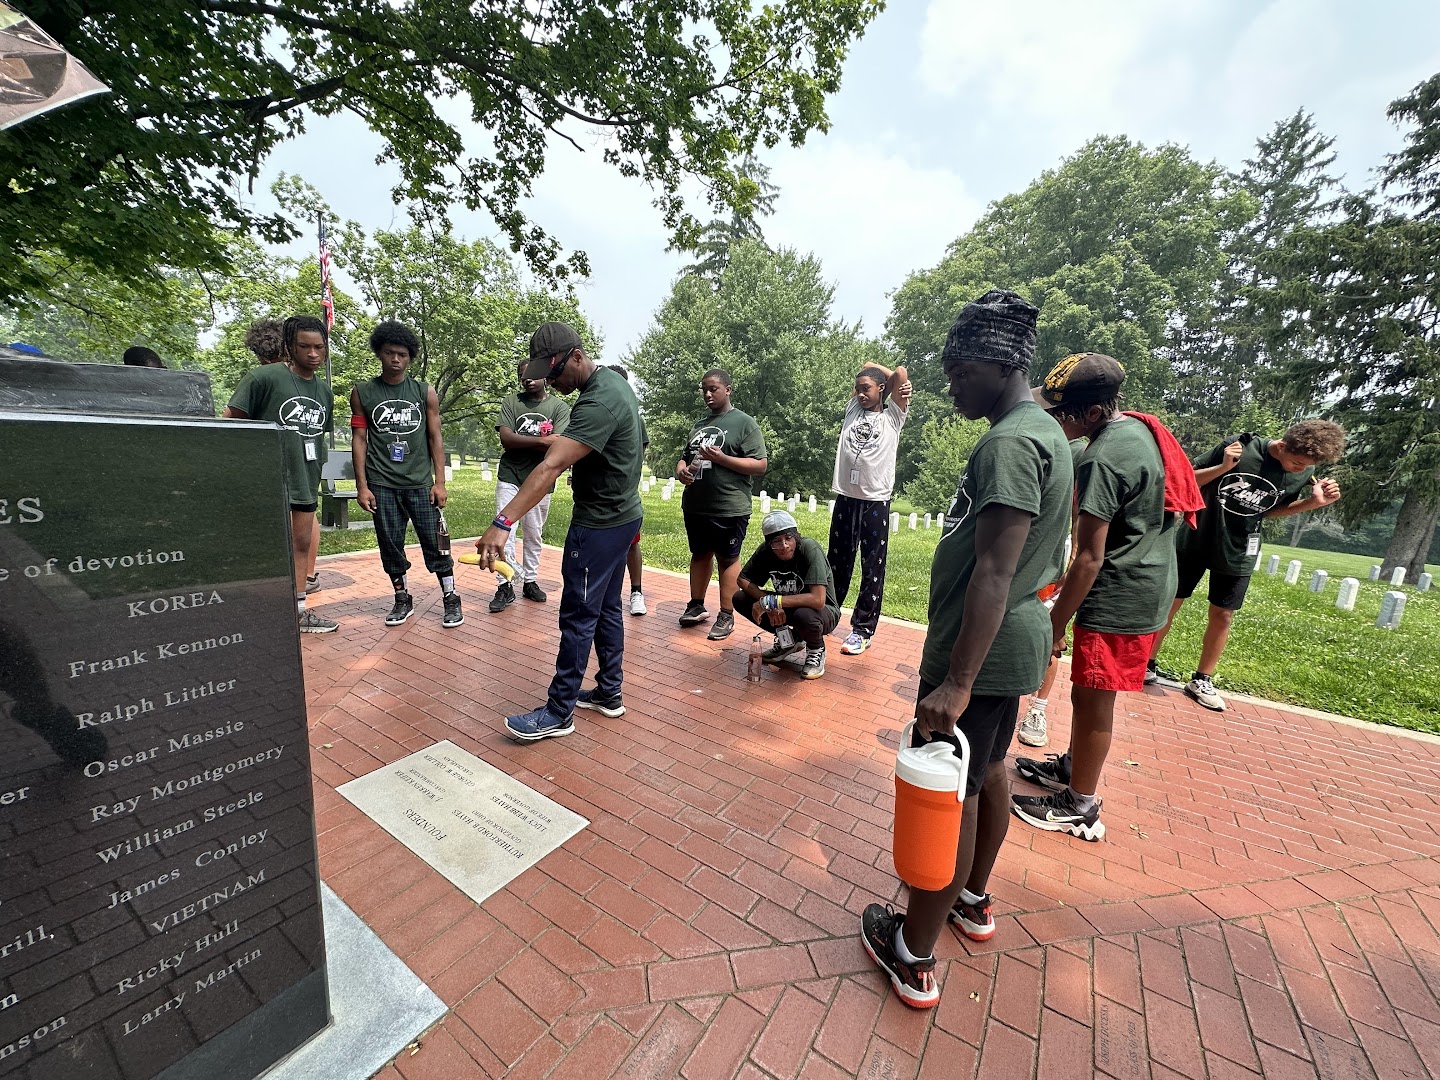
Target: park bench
column 334, row 503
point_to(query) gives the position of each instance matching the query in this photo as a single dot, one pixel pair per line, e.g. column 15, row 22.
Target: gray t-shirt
column 865, row 458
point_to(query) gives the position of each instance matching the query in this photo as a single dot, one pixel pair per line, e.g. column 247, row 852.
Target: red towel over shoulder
column 1182, row 493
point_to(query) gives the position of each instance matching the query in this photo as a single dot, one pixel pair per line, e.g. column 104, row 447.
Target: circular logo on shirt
column 956, row 515
column 708, row 436
column 397, row 417
column 1246, row 494
column 863, row 434
column 787, row 582
column 534, row 424
column 303, row 414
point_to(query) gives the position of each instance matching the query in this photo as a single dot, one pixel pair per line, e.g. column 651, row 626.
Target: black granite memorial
column 159, row 892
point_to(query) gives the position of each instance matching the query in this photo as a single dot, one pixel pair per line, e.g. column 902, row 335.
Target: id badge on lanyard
column 397, row 451
column 311, row 454
column 1252, row 546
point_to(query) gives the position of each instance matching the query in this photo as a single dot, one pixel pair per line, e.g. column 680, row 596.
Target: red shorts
column 1101, row 661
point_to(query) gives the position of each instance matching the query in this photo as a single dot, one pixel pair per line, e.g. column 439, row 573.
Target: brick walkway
column 1267, row 900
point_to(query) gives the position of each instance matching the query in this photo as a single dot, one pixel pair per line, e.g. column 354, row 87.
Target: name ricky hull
column 106, row 811
column 167, row 650
column 123, row 711
column 203, row 983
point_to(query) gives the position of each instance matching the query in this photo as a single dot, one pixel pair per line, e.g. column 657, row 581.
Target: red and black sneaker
column 975, row 920
column 914, row 983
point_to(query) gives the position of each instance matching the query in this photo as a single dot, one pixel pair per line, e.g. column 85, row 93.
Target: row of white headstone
column 792, row 503
column 1392, row 607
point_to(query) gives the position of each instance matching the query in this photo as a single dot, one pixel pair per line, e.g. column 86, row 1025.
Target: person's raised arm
column 1323, row 493
column 745, row 466
column 1228, row 456
column 901, row 390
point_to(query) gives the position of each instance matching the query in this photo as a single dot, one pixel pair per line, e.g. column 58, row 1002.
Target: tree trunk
column 1414, row 532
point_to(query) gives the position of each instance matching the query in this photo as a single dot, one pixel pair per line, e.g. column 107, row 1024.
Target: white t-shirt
column 865, row 458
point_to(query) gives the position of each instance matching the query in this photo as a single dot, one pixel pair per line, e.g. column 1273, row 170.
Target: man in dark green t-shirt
column 294, row 396
column 989, row 636
column 788, row 583
column 1244, row 480
column 603, row 449
column 1117, row 589
column 399, row 460
column 725, row 452
column 529, row 423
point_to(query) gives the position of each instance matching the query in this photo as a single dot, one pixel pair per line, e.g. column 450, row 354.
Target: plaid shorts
column 394, row 508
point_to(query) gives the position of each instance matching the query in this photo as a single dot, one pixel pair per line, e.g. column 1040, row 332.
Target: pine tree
column 713, row 247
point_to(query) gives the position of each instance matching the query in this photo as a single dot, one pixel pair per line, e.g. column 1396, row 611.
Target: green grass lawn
column 1288, row 644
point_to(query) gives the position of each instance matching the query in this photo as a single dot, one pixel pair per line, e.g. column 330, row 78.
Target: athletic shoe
column 1058, row 813
column 453, row 616
column 504, row 597
column 814, row 663
column 403, row 609
column 722, row 627
column 312, row 583
column 855, row 644
column 1052, row 773
column 538, row 724
column 1202, row 690
column 637, row 602
column 1033, row 728
column 532, row 591
column 914, row 983
column 975, row 920
column 694, row 613
column 589, row 699
column 310, row 623
column 775, row 654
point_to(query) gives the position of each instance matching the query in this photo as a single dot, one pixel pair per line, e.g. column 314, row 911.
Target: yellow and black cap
column 1080, row 379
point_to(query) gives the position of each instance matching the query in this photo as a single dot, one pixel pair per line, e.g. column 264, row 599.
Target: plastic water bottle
column 755, row 664
column 929, row 798
column 442, row 536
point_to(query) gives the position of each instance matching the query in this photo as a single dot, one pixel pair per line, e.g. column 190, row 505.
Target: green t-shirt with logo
column 1227, row 535
column 526, row 415
column 1024, row 462
column 718, row 491
column 809, row 567
column 305, row 407
column 397, row 450
column 606, row 418
column 1121, row 479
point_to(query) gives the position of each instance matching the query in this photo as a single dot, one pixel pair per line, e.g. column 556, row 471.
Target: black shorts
column 301, row 508
column 1226, row 590
column 720, row 536
column 989, row 725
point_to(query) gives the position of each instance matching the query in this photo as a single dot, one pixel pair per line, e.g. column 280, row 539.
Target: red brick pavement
column 1267, row 900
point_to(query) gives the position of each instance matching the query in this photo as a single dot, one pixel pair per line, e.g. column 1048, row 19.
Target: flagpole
column 326, row 306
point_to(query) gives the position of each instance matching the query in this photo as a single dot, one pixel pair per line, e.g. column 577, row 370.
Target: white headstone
column 914, row 520
column 1397, row 576
column 764, row 494
column 1258, row 560
column 894, row 522
column 665, row 493
column 832, row 506
column 485, row 470
column 449, row 474
column 940, row 521
column 812, row 504
column 780, row 498
column 928, row 520
column 1273, row 565
column 1374, row 573
column 764, row 503
column 1422, row 583
column 1392, row 609
column 1349, row 589
column 1318, row 580
column 794, row 502
column 1292, row 572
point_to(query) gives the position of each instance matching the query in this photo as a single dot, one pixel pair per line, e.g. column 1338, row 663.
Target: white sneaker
column 1033, row 729
column 1202, row 690
column 637, row 602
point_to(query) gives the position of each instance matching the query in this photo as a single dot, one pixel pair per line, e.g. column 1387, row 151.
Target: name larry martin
column 167, row 650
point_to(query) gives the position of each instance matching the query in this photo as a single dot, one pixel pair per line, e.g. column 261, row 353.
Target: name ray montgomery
column 167, row 650
column 172, row 787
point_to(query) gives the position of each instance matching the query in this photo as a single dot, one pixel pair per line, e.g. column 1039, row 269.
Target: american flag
column 327, row 300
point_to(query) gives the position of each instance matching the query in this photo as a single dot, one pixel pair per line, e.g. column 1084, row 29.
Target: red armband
column 357, row 420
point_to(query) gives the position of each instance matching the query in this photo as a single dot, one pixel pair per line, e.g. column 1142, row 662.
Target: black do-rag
column 999, row 327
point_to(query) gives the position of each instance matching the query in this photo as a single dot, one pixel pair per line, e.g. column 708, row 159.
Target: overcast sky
column 950, row 104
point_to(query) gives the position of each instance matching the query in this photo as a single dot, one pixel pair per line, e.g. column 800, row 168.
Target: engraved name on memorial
column 158, row 880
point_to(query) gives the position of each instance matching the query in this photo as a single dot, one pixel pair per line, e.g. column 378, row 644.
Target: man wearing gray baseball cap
column 787, row 588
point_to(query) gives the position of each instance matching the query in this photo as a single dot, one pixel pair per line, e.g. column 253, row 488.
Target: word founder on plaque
column 159, row 894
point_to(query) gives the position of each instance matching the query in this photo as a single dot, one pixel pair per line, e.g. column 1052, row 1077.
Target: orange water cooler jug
column 929, row 796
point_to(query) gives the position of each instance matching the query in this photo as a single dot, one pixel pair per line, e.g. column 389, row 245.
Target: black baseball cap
column 1080, row 379
column 552, row 339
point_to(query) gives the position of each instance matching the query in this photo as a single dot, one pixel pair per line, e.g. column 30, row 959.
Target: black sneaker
column 589, row 699
column 453, row 616
column 1052, row 773
column 694, row 613
column 722, row 627
column 532, row 591
column 403, row 609
column 1058, row 813
column 777, row 655
column 504, row 597
column 913, row 983
column 1152, row 673
column 975, row 920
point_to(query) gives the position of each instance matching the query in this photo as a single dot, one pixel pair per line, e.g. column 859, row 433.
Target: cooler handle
column 963, row 760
